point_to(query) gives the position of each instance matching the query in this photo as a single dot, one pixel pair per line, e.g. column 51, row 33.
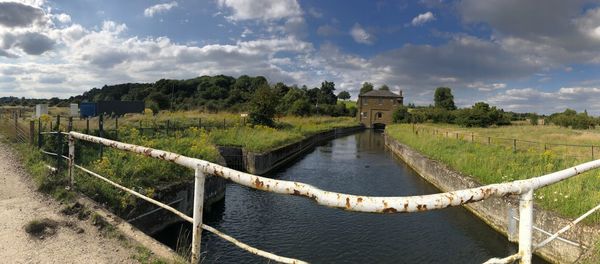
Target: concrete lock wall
column 181, row 197
column 497, row 212
column 262, row 163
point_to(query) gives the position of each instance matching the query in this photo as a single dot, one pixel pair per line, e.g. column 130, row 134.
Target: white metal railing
column 349, row 202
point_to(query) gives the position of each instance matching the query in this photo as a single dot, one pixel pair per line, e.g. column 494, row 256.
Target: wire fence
column 582, row 151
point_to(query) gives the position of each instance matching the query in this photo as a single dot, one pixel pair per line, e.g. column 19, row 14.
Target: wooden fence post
column 87, row 125
column 514, row 145
column 70, row 124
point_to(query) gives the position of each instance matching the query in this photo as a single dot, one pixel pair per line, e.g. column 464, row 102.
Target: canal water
column 296, row 227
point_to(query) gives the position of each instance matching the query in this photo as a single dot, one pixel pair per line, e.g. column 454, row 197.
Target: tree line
column 482, row 114
column 212, row 94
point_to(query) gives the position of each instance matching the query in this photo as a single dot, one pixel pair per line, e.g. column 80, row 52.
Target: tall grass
column 495, row 163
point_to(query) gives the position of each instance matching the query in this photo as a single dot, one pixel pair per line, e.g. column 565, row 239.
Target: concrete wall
column 262, row 163
column 183, row 193
column 496, row 211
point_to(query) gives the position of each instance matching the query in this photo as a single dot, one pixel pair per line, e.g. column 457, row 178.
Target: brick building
column 375, row 108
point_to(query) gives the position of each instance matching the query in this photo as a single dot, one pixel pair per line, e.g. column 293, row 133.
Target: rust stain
column 296, row 192
column 359, row 200
column 390, row 210
column 406, row 207
column 259, row 184
column 347, row 202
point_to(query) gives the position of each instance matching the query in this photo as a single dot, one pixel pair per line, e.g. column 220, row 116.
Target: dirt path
column 19, row 204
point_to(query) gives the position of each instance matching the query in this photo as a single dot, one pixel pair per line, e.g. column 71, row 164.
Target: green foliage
column 444, row 99
column 570, row 118
column 344, row 95
column 401, row 115
column 326, row 93
column 366, row 87
column 533, row 119
column 384, row 88
column 481, row 115
column 263, row 107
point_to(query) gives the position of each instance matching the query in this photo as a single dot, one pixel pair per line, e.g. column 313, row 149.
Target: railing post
column 71, row 160
column 198, row 208
column 525, row 226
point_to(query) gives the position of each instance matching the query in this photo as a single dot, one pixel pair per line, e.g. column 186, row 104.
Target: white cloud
column 159, row 8
column 315, row 12
column 63, row 18
column 422, row 19
column 360, row 35
column 535, row 100
column 261, row 9
column 486, row 87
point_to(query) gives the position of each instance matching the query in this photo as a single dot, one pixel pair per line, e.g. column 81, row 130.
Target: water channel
column 296, row 227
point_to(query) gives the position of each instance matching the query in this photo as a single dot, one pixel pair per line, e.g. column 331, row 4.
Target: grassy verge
column 498, row 163
column 289, row 130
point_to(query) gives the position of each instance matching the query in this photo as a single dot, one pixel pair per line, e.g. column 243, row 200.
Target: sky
column 521, row 55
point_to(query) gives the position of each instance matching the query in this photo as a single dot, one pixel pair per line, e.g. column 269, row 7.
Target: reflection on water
column 296, row 227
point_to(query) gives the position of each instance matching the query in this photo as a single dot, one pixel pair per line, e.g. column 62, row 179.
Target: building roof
column 380, row 93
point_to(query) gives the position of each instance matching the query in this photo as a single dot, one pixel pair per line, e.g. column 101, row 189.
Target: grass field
column 496, row 163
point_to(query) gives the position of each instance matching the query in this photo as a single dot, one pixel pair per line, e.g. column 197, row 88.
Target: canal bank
column 296, row 227
column 261, row 163
column 499, row 213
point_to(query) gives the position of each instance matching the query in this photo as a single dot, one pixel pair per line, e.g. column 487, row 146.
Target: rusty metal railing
column 357, row 203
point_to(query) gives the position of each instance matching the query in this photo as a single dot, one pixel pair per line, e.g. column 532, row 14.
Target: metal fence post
column 101, row 132
column 40, row 133
column 168, row 125
column 16, row 126
column 198, row 208
column 71, row 159
column 58, row 148
column 117, row 127
column 525, row 226
column 32, row 133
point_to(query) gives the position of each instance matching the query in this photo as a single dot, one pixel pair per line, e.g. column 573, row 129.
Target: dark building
column 376, row 107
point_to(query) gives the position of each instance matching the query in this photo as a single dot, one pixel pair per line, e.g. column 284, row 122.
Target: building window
column 364, row 101
column 379, row 115
column 380, row 101
column 393, row 101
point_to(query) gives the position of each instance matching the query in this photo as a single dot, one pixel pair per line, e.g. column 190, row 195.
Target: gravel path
column 20, row 203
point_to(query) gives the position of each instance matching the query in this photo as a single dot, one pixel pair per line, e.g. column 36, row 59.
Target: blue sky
column 521, row 55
